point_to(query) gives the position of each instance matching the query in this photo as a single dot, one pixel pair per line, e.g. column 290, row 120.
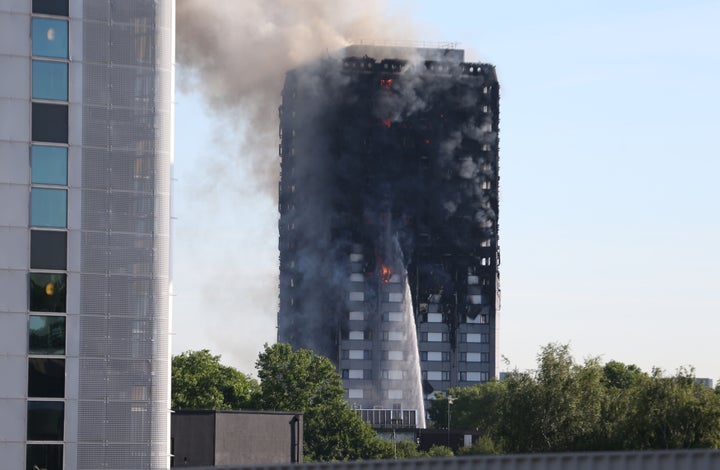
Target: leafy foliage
column 200, row 382
column 303, row 381
column 565, row 406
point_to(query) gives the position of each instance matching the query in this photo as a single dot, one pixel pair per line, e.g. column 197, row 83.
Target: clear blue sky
column 609, row 225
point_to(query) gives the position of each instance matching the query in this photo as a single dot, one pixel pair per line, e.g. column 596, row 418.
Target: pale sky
column 609, row 156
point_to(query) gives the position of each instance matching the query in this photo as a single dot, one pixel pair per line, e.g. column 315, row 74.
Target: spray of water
column 416, row 399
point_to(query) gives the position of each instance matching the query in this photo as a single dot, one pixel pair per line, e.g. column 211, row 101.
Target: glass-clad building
column 85, row 160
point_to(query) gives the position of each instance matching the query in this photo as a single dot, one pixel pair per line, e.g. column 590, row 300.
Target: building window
column 355, row 393
column 395, row 297
column 48, row 250
column 394, row 394
column 356, row 354
column 49, row 80
column 357, row 296
column 434, row 337
column 47, row 292
column 356, row 374
column 48, row 207
column 393, row 335
column 45, row 420
column 475, row 299
column 392, row 374
column 50, row 7
column 438, row 375
column 48, row 165
column 46, row 335
column 434, row 356
column 356, row 315
column 360, row 335
column 394, row 316
column 50, row 122
column 393, row 355
column 470, row 338
column 46, row 377
column 50, row 38
column 45, row 456
column 434, row 317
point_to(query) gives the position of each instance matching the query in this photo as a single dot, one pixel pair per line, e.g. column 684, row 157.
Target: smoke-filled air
column 236, row 53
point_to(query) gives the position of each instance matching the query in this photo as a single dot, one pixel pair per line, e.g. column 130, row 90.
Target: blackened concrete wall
column 214, row 438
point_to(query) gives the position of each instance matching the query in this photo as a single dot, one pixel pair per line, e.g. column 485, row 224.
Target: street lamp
column 450, row 400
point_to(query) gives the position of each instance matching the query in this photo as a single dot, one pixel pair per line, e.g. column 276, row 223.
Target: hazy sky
column 609, row 160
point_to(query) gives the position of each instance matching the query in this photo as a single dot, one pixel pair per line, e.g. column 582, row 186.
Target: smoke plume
column 236, row 54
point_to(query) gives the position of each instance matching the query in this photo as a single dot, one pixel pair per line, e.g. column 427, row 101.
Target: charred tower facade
column 389, row 220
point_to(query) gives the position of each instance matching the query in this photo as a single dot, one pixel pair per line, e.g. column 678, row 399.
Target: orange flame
column 386, row 83
column 385, row 273
column 387, row 123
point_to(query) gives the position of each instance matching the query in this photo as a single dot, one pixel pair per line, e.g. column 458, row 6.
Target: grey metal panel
column 16, row 367
column 17, row 238
column 13, row 288
column 14, row 27
column 14, row 119
column 16, row 77
column 702, row 459
column 123, row 407
column 13, row 453
column 13, row 334
column 14, row 164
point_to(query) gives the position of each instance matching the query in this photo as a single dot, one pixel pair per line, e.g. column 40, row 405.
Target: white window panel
column 357, row 315
column 434, row 337
column 357, row 277
column 355, row 374
column 434, row 317
column 395, row 394
column 395, row 335
column 395, row 355
column 434, row 356
column 356, row 354
column 473, row 357
column 356, row 257
column 473, row 338
column 473, row 280
column 395, row 297
column 356, row 335
column 473, row 377
column 394, row 374
column 475, row 299
column 434, row 375
column 395, row 278
column 477, row 319
column 355, row 393
column 357, row 296
column 395, row 316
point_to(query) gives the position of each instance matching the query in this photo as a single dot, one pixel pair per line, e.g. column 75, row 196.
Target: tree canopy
column 201, row 382
column 565, row 406
column 301, row 380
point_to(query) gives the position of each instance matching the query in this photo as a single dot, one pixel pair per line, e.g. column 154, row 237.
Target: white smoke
column 236, row 54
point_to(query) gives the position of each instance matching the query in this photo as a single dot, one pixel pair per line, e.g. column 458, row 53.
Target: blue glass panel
column 49, row 80
column 48, row 164
column 48, row 207
column 50, row 38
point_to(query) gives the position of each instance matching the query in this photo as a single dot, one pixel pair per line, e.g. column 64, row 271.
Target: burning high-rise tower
column 388, row 220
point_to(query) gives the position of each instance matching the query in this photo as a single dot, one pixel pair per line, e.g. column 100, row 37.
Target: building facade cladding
column 389, row 167
column 85, row 158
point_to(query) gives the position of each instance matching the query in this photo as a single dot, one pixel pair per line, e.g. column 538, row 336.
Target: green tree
column 303, row 381
column 201, row 382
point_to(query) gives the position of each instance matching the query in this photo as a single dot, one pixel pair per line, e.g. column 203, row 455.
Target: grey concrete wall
column 258, row 438
column 193, row 436
column 701, row 459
